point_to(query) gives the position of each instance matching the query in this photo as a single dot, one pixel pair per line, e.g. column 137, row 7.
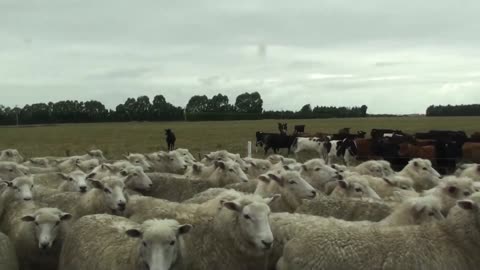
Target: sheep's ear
column 251, row 162
column 96, row 184
column 184, row 229
column 108, row 166
column 343, row 184
column 91, row 175
column 466, row 204
column 276, row 178
column 134, row 233
column 388, row 181
column 65, row 216
column 124, row 173
column 272, row 199
column 207, row 157
column 264, row 178
column 232, row 206
column 220, row 164
column 452, row 189
column 63, row 176
column 28, row 218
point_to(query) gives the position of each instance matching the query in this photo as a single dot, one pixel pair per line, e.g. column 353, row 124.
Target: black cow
column 283, row 128
column 274, row 141
column 170, row 139
column 378, row 133
column 299, row 129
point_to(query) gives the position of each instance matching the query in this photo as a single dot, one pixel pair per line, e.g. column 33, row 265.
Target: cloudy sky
column 394, row 56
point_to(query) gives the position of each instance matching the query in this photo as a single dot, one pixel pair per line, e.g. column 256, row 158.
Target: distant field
column 200, row 137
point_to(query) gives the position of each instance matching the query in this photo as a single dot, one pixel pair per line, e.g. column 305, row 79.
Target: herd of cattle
column 445, row 149
column 167, row 210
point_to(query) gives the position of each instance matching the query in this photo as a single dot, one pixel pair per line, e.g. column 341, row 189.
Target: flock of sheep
column 166, row 210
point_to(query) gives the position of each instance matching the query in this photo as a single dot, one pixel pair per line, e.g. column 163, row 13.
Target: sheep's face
column 339, row 168
column 173, row 161
column 253, row 221
column 98, row 154
column 376, row 170
column 458, row 188
column 78, row 179
column 318, row 172
column 87, row 165
column 10, row 170
column 46, row 223
column 426, row 210
column 386, row 167
column 136, row 178
column 243, row 165
column 232, row 172
column 114, row 193
column 274, row 159
column 356, row 189
column 40, row 162
column 11, row 155
column 258, row 167
column 294, row 184
column 22, row 188
column 399, row 182
column 160, row 242
column 423, row 168
column 139, row 160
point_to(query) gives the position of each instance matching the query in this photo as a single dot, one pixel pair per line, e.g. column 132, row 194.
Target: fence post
column 249, row 149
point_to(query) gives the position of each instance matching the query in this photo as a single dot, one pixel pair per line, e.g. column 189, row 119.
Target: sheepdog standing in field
column 170, row 139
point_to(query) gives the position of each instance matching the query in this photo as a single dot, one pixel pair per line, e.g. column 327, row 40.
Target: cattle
column 283, row 128
column 170, row 139
column 274, row 141
column 379, row 133
column 299, row 129
column 475, row 137
column 344, row 151
column 471, row 152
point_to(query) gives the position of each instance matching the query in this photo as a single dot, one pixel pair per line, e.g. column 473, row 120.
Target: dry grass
column 200, row 137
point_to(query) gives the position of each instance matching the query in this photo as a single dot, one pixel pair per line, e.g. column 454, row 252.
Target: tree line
column 247, row 106
column 454, row 110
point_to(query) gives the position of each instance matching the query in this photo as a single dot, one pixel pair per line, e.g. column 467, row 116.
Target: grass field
column 200, row 137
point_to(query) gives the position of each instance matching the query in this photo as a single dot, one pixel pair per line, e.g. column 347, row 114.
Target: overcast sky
column 393, row 56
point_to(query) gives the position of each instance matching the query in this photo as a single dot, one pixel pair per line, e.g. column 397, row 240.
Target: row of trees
column 246, row 106
column 455, row 110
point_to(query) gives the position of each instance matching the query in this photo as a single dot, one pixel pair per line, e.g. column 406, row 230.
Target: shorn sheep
column 8, row 257
column 104, row 242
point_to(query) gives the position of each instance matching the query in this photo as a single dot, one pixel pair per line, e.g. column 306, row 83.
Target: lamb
column 317, row 173
column 422, row 173
column 106, row 196
column 472, row 171
column 371, row 167
column 11, row 155
column 450, row 190
column 105, row 242
column 10, row 170
column 290, row 185
column 138, row 160
column 40, row 162
column 275, row 159
column 451, row 244
column 167, row 162
column 8, row 257
column 354, row 186
column 38, row 236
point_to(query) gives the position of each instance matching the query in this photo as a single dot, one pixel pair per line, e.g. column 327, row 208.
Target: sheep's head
column 87, row 165
column 160, row 242
column 173, row 161
column 258, row 167
column 10, row 170
column 22, row 188
column 252, row 214
column 375, row 169
column 114, row 193
column 318, row 172
column 355, row 187
column 457, row 187
column 78, row 179
column 231, row 171
column 136, row 178
column 139, row 160
column 98, row 154
column 386, row 167
column 425, row 209
column 46, row 225
column 424, row 170
column 293, row 183
column 274, row 159
column 11, row 155
column 399, row 182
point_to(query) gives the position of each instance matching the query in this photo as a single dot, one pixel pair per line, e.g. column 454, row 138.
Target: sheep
column 37, row 234
column 387, row 168
column 199, row 170
column 187, row 156
column 345, row 208
column 12, row 155
column 472, row 171
column 175, row 188
column 317, row 173
column 226, row 172
column 19, row 189
column 290, row 185
column 92, row 154
column 450, row 190
column 71, row 165
column 371, row 167
column 8, row 257
column 257, row 167
column 40, row 162
column 138, row 160
column 275, row 159
column 74, row 182
column 451, row 244
column 167, row 162
column 386, row 186
column 106, row 196
column 354, row 186
column 10, row 170
column 239, row 234
column 105, row 242
column 134, row 176
column 422, row 173
column 209, row 159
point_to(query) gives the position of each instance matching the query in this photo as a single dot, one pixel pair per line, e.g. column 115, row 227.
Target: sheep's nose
column 121, row 206
column 339, row 177
column 267, row 245
column 27, row 199
column 43, row 246
column 83, row 189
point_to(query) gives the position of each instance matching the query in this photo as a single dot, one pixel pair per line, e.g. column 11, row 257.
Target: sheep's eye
column 424, row 168
column 106, row 190
column 404, row 188
column 292, row 182
column 358, row 190
column 231, row 170
column 317, row 169
column 11, row 170
column 144, row 243
column 246, row 216
column 172, row 243
column 138, row 161
column 31, row 187
column 70, row 178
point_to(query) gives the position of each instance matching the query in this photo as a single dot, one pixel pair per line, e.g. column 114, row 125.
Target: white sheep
column 106, row 196
column 138, row 160
column 227, row 172
column 199, row 170
column 8, row 257
column 19, row 189
column 472, row 171
column 422, row 173
column 354, row 186
column 386, row 186
column 40, row 162
column 257, row 167
column 92, row 154
column 170, row 162
column 175, row 187
column 134, row 176
column 187, row 156
column 10, row 170
column 387, row 168
column 75, row 181
column 71, row 165
column 450, row 190
column 318, row 173
column 452, row 244
column 37, row 234
column 371, row 167
column 12, row 155
column 105, row 242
